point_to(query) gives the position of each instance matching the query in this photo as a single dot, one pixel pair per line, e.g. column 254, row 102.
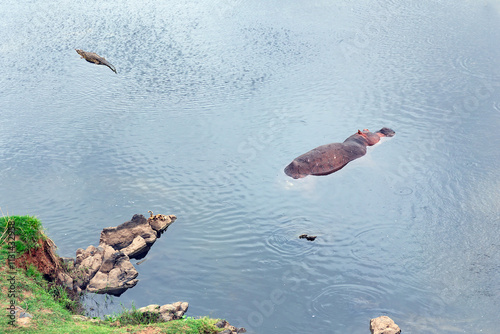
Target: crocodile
column 92, row 57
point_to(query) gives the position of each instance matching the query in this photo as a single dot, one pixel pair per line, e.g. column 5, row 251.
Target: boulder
column 166, row 312
column 137, row 247
column 153, row 308
column 123, row 235
column 87, row 263
column 115, row 276
column 384, row 325
column 109, row 259
column 159, row 223
column 65, row 279
column 229, row 329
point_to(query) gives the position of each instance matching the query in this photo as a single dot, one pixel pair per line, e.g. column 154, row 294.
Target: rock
column 123, row 235
column 109, row 259
column 68, row 262
column 153, row 308
column 166, row 312
column 229, row 329
column 87, row 263
column 384, row 325
column 21, row 313
column 137, row 247
column 23, row 318
column 221, row 323
column 173, row 311
column 65, row 280
column 115, row 276
column 160, row 222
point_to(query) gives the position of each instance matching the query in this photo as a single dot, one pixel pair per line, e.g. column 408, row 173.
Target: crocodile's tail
column 111, row 67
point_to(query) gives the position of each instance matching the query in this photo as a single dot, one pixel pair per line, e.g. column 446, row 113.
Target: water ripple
column 284, row 240
column 385, row 244
column 336, row 301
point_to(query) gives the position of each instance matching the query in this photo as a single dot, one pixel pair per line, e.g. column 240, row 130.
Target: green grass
column 50, row 306
column 29, row 229
column 133, row 317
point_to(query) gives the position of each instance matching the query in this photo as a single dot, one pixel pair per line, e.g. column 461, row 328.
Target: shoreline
column 39, row 299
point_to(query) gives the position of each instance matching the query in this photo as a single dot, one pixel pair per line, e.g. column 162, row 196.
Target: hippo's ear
column 361, row 133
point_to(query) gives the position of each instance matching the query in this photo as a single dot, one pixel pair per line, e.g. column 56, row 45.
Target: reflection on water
column 213, row 99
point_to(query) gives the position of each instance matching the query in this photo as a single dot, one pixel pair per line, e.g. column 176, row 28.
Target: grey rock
column 118, row 275
column 137, row 246
column 123, row 235
column 167, row 312
column 221, row 324
column 66, row 280
column 21, row 313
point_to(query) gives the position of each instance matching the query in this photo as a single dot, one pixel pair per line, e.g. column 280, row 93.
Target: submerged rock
column 384, row 325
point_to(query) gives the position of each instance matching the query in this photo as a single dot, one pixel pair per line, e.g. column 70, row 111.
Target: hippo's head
column 386, row 132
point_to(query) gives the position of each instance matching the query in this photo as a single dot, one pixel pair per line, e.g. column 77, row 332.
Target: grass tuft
column 29, row 230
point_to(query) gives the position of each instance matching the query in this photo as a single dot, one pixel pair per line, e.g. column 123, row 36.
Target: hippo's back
column 324, row 160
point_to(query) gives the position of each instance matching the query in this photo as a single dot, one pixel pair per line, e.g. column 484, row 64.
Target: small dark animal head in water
column 80, row 52
column 307, row 237
column 386, row 132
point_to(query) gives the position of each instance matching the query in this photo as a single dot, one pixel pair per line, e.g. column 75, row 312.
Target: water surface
column 213, row 99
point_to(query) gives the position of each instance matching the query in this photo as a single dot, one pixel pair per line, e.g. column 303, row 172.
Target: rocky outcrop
column 136, row 236
column 107, row 268
column 384, row 325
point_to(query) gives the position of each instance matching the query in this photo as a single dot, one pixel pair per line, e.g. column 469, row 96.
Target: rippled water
column 213, row 99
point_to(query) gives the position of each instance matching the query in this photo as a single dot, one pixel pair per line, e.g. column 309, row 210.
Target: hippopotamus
column 92, row 57
column 327, row 159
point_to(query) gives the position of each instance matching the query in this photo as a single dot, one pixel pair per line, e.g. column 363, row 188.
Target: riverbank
column 34, row 301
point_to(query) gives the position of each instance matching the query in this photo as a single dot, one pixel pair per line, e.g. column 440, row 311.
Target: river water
column 213, row 99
